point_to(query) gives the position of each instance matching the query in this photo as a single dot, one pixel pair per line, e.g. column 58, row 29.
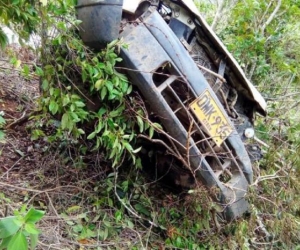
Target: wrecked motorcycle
column 191, row 83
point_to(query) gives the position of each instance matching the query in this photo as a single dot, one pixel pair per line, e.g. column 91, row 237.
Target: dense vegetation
column 263, row 38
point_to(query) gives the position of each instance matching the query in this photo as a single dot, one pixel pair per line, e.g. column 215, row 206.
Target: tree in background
column 263, row 36
column 19, row 15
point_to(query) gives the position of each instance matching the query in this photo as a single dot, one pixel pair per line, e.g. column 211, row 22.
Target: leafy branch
column 15, row 229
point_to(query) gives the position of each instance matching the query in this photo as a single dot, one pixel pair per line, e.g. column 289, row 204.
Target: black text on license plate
column 211, row 117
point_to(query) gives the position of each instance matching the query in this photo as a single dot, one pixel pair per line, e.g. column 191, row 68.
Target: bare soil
column 50, row 178
column 33, row 175
column 16, row 101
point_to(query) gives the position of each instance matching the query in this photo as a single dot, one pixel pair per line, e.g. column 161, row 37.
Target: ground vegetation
column 71, row 176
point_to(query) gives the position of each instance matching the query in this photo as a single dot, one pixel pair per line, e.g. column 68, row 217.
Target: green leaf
column 34, row 215
column 99, row 84
column 31, row 228
column 17, row 63
column 25, row 70
column 112, row 44
column 15, row 2
column 114, row 113
column 101, row 111
column 81, row 131
column 130, row 224
column 92, row 135
column 151, row 132
column 109, row 86
column 140, row 208
column 39, row 71
column 65, row 121
column 53, row 107
column 61, row 25
column 124, row 86
column 2, row 120
column 3, row 39
column 103, row 92
column 127, row 146
column 73, row 208
column 33, row 240
column 157, row 126
column 66, row 100
column 116, row 81
column 79, row 104
column 43, row 2
column 5, row 242
column 126, row 136
column 118, row 215
column 99, row 127
column 116, row 143
column 137, row 150
column 9, row 226
column 18, row 242
column 110, row 124
column 140, row 123
column 129, row 90
column 75, row 117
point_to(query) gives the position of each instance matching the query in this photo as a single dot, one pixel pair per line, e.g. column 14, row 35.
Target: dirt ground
column 16, row 101
column 30, row 174
column 36, row 174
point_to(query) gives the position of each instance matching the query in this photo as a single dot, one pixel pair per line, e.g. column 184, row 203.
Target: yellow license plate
column 211, row 117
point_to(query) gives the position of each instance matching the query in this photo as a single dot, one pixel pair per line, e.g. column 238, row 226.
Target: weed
column 14, row 230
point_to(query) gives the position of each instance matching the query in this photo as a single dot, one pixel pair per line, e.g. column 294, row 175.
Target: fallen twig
column 38, row 191
column 24, row 117
column 8, row 170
